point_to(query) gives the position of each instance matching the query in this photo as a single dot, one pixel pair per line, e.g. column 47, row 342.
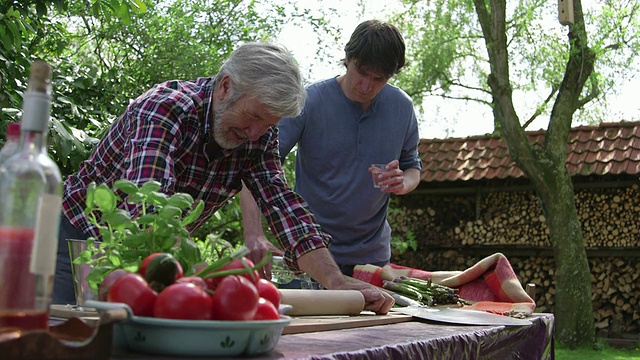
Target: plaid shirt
column 163, row 136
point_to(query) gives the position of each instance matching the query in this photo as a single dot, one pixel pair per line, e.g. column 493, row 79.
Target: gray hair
column 268, row 73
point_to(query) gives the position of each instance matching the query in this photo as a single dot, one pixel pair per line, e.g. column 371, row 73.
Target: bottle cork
column 40, row 77
column 37, row 99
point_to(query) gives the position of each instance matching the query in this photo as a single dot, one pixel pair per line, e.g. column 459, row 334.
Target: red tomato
column 103, row 289
column 266, row 311
column 235, row 264
column 269, row 291
column 195, row 280
column 183, row 301
column 235, row 298
column 145, row 263
column 134, row 291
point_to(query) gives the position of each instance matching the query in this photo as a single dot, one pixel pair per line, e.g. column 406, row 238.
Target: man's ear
column 223, row 90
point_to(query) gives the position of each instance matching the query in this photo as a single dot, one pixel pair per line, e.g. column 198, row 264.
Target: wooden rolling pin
column 322, row 302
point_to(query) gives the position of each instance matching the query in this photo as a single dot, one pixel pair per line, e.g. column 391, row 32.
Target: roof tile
column 592, row 150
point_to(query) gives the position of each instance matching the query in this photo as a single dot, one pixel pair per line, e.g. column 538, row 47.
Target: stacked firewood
column 616, row 290
column 609, row 218
column 447, row 224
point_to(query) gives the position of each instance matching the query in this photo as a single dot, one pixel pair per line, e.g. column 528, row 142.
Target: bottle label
column 45, row 243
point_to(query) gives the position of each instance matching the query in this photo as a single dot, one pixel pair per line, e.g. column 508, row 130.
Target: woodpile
column 609, row 218
column 446, row 225
column 616, row 290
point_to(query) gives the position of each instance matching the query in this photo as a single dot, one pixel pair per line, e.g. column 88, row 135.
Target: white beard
column 219, row 131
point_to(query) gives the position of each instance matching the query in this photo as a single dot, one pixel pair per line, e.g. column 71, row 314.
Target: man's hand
column 258, row 248
column 375, row 299
column 399, row 182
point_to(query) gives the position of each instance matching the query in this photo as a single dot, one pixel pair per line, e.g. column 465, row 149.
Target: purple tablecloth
column 416, row 340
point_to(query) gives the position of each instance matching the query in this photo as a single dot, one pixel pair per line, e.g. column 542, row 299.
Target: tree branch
column 541, row 107
column 594, row 93
column 465, row 98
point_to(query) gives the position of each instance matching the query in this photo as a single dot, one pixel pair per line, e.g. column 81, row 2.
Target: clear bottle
column 280, row 273
column 12, row 144
column 31, row 193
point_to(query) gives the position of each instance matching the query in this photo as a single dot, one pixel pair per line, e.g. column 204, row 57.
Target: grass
column 601, row 352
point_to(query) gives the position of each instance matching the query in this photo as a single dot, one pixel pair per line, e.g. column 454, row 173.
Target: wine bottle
column 31, row 193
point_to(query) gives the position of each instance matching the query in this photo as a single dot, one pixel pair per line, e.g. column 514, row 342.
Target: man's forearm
column 251, row 216
column 319, row 265
column 411, row 180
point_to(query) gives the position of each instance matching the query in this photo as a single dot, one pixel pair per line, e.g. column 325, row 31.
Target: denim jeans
column 63, row 292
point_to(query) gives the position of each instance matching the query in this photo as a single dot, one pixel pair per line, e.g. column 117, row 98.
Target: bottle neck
column 32, row 141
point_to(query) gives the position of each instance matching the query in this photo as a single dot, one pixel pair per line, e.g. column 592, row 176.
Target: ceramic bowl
column 193, row 337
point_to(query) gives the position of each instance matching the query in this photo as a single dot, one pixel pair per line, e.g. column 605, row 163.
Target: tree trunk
column 544, row 165
column 574, row 315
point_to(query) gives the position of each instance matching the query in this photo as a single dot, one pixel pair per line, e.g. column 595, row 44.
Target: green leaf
column 149, row 187
column 117, row 219
column 190, row 251
column 136, row 198
column 83, row 257
column 107, row 236
column 104, row 198
column 170, row 212
column 157, row 198
column 146, row 219
column 194, row 214
column 135, row 241
column 97, row 274
column 126, row 186
column 168, row 243
column 126, row 239
column 114, row 258
column 91, row 190
column 181, row 200
column 142, row 7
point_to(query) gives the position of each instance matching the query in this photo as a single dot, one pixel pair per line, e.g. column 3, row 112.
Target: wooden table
column 413, row 340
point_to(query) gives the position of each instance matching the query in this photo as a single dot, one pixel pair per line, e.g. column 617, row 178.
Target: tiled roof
column 610, row 148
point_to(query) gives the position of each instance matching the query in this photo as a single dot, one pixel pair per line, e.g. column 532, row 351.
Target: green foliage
column 446, row 52
column 435, row 49
column 226, row 223
column 108, row 53
column 401, row 244
column 160, row 226
column 83, row 100
column 401, row 241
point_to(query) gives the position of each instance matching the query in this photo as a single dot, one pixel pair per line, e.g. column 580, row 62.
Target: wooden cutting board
column 304, row 324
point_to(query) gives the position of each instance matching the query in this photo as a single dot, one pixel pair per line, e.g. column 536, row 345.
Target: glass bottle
column 280, row 273
column 31, row 197
column 12, row 144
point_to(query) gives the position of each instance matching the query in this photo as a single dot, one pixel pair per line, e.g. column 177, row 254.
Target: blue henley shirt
column 337, row 142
